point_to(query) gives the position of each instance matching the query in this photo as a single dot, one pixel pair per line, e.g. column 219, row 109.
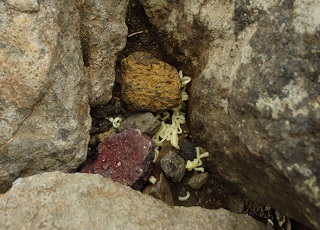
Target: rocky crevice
column 254, row 99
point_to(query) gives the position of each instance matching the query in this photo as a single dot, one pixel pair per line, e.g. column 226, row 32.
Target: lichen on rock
column 255, row 99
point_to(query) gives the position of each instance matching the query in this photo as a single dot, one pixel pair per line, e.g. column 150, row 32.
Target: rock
column 187, row 150
column 282, row 221
column 165, row 149
column 93, row 141
column 160, row 190
column 146, row 122
column 196, row 181
column 24, row 5
column 102, row 136
column 44, row 118
column 85, row 201
column 100, row 126
column 254, row 99
column 173, row 166
column 125, row 158
column 235, row 204
column 103, row 35
column 102, row 112
column 149, row 84
column 183, row 29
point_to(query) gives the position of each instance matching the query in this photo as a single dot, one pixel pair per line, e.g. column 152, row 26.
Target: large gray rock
column 85, row 201
column 44, row 112
column 255, row 95
column 103, row 35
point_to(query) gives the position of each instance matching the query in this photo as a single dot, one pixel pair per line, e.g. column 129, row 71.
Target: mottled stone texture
column 161, row 190
column 147, row 123
column 173, row 166
column 274, row 106
column 103, row 35
column 125, row 158
column 82, row 201
column 149, row 84
column 184, row 29
column 44, row 112
column 24, row 5
column 197, row 180
column 254, row 100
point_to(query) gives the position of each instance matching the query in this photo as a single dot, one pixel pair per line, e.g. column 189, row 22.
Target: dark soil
column 216, row 193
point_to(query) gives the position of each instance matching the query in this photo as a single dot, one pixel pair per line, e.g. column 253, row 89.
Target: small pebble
column 173, row 166
column 146, row 122
column 198, row 180
column 187, row 149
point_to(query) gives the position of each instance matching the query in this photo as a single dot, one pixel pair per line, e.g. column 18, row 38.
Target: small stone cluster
column 154, row 86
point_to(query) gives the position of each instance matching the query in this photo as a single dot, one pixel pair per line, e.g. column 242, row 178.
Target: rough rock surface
column 103, row 35
column 254, row 100
column 187, row 150
column 24, row 5
column 173, row 166
column 125, row 158
column 160, row 190
column 44, row 112
column 82, row 201
column 196, row 181
column 147, row 123
column 149, row 84
column 104, row 135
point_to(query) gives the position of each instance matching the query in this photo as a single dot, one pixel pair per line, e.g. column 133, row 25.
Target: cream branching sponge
column 170, row 132
column 197, row 162
column 115, row 121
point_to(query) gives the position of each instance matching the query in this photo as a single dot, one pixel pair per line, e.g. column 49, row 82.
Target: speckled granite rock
column 24, row 5
column 173, row 166
column 255, row 96
column 149, row 84
column 44, row 111
column 125, row 158
column 84, row 201
column 103, row 35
